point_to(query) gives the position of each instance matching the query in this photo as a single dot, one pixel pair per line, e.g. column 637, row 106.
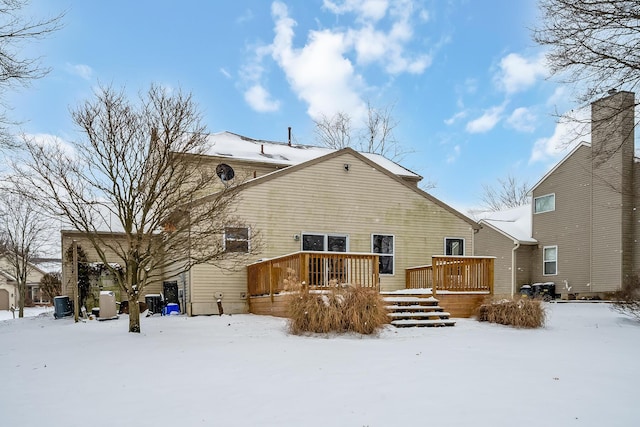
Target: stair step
column 415, row 307
column 440, row 314
column 423, row 322
column 410, row 299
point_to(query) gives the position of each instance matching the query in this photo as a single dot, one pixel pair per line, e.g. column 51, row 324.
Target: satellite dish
column 225, row 172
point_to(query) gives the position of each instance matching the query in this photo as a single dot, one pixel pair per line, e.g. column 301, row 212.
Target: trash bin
column 526, row 291
column 545, row 291
column 154, row 303
column 107, row 305
column 171, row 308
column 62, row 307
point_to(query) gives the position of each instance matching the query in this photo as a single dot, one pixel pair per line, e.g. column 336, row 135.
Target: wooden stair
column 415, row 310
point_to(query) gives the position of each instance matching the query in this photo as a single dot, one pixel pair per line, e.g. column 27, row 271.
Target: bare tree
column 23, row 232
column 51, row 285
column 16, row 70
column 509, row 192
column 374, row 135
column 594, row 46
column 137, row 174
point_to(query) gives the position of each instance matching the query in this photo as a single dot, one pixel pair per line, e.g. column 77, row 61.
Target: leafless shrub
column 627, row 300
column 520, row 313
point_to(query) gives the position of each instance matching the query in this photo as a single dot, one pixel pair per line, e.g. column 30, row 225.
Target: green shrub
column 520, row 313
column 339, row 309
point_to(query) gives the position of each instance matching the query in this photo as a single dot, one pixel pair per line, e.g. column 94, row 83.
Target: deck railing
column 453, row 273
column 314, row 270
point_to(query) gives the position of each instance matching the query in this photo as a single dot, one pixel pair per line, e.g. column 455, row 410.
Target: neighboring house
column 9, row 285
column 583, row 235
column 301, row 198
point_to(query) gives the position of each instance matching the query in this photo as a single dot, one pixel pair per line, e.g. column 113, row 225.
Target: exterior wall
column 612, row 196
column 323, row 197
column 9, row 286
column 489, row 242
column 524, row 260
column 568, row 227
column 8, row 293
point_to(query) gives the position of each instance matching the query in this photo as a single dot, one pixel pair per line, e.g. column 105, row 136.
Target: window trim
column 325, row 243
column 541, row 197
column 392, row 254
column 544, row 262
column 464, row 245
column 248, row 240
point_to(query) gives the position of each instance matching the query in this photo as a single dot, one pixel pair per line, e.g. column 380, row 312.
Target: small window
column 454, row 246
column 550, row 260
column 236, row 239
column 384, row 245
column 544, row 203
column 325, row 242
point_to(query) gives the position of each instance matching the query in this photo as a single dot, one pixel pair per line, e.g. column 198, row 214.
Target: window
column 383, row 244
column 544, row 203
column 236, row 239
column 454, row 246
column 550, row 260
column 325, row 242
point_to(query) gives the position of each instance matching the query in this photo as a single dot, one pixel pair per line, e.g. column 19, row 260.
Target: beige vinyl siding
column 524, row 257
column 490, row 242
column 568, row 226
column 324, row 198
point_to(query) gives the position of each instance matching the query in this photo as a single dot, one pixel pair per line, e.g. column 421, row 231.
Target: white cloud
column 518, row 73
column 487, row 121
column 569, row 132
column 260, row 100
column 48, row 140
column 452, row 157
column 81, row 70
column 319, row 73
column 522, row 120
column 457, row 116
column 225, row 73
column 365, row 9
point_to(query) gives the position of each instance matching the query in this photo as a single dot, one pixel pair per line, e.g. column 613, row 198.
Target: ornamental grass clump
column 520, row 313
column 338, row 309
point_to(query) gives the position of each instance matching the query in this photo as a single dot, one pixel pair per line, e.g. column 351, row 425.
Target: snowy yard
column 244, row 370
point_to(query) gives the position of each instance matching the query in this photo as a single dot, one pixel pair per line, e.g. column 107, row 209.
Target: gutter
column 513, row 267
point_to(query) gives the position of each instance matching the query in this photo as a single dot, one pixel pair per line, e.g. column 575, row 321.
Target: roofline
column 483, row 222
column 376, row 166
column 564, row 159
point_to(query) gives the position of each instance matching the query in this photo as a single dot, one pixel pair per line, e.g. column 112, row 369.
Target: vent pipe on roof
column 289, row 136
column 261, row 148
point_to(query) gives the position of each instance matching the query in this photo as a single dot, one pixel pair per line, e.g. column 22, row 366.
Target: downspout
column 513, row 268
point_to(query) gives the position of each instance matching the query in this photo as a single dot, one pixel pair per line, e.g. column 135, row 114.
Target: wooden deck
column 460, row 284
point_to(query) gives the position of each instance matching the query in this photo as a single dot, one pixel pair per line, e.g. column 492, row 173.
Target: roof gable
column 557, row 165
column 514, row 223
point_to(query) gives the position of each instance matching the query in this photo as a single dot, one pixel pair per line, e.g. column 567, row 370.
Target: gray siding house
column 583, row 215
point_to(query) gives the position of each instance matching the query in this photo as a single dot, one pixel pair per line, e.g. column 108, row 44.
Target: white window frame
column 392, row 254
column 544, row 261
column 464, row 245
column 248, row 240
column 553, row 208
column 325, row 243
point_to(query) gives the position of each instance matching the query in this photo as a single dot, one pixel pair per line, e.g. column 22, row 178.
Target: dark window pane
column 454, row 247
column 385, row 264
column 235, row 233
column 312, row 242
column 337, row 243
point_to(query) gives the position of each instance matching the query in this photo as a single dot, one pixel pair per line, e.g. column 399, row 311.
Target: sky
column 580, row 370
column 469, row 89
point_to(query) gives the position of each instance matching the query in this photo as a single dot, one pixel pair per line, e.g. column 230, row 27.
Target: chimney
column 289, row 136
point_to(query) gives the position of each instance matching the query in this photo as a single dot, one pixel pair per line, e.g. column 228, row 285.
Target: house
column 583, row 235
column 321, row 201
column 9, row 285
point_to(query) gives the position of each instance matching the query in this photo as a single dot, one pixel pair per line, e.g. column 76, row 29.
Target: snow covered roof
column 514, row 223
column 234, row 146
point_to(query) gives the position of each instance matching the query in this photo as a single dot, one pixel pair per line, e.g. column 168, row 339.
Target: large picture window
column 383, row 244
column 236, row 239
column 454, row 246
column 550, row 260
column 545, row 203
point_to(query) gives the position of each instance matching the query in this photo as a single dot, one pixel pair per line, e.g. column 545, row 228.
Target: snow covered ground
column 582, row 369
